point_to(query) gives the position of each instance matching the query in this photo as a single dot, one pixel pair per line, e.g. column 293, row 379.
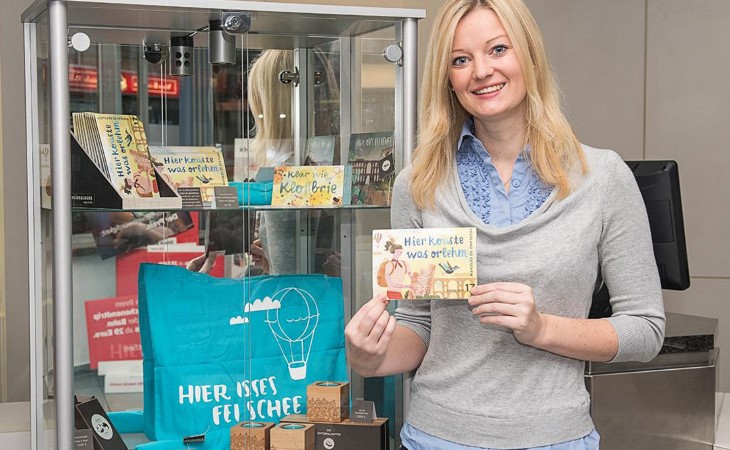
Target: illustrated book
column 198, row 167
column 311, row 186
column 373, row 168
column 424, row 263
column 117, row 145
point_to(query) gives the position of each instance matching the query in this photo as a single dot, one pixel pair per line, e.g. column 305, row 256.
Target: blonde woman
column 505, row 369
column 270, row 102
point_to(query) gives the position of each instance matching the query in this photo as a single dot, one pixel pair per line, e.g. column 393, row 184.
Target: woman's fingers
column 377, row 330
column 499, row 296
column 377, row 301
column 368, row 334
column 503, row 286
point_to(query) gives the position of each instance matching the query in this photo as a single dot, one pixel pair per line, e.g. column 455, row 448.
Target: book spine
column 347, row 186
column 84, row 136
column 95, row 144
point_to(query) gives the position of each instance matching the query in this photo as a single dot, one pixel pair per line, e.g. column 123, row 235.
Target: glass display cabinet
column 247, row 87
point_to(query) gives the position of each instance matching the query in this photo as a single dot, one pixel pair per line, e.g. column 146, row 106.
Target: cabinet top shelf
column 191, row 15
column 242, row 208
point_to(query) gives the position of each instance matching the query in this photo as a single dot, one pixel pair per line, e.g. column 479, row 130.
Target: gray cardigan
column 479, row 386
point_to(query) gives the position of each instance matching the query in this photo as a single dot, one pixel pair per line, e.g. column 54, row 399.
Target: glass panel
column 377, row 95
column 374, row 112
column 41, row 231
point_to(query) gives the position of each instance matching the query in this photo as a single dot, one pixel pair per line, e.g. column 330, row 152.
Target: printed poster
column 112, row 328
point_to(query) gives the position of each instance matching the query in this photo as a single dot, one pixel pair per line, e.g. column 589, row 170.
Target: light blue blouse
column 484, row 190
column 491, row 202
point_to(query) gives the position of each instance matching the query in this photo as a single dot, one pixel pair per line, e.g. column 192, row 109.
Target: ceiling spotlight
column 221, row 44
column 181, row 55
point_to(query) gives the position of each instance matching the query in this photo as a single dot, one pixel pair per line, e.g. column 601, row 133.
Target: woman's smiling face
column 485, row 72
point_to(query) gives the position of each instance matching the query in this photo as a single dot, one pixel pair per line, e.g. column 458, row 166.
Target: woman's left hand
column 511, row 305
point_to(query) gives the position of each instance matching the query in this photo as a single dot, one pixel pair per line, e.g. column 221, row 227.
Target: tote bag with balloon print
column 220, row 351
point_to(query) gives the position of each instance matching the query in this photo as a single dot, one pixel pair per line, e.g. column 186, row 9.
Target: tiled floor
column 15, row 425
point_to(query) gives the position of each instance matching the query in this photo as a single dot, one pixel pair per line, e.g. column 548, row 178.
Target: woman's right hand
column 368, row 334
column 203, row 263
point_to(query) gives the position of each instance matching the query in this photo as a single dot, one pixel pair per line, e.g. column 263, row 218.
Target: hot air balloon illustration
column 293, row 326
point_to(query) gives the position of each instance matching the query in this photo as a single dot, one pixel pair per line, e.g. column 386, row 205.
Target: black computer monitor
column 659, row 185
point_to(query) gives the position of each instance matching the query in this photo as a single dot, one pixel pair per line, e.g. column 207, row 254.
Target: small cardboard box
column 347, row 435
column 251, row 436
column 90, row 415
column 328, row 401
column 292, row 436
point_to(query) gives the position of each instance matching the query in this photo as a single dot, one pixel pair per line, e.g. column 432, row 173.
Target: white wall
column 3, row 337
column 688, row 65
column 648, row 78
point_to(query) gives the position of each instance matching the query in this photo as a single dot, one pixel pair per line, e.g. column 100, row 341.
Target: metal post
column 299, row 123
column 61, row 179
column 410, row 116
column 410, row 86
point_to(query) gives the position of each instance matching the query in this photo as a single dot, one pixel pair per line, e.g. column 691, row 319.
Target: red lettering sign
column 86, row 79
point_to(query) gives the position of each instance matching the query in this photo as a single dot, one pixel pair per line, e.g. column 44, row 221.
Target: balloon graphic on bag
column 293, row 325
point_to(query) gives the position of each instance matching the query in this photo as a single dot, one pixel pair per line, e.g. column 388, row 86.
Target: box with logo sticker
column 348, row 435
column 90, row 415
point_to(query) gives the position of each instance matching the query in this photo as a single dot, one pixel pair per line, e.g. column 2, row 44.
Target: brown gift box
column 347, row 435
column 90, row 415
column 292, row 436
column 251, row 436
column 328, row 401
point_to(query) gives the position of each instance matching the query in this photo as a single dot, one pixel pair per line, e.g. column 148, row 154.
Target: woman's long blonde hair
column 270, row 103
column 555, row 148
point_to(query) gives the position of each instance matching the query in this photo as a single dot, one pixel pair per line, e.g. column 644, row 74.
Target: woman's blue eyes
column 459, row 61
column 497, row 50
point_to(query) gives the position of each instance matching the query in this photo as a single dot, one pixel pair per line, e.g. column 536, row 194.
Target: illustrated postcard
column 424, row 263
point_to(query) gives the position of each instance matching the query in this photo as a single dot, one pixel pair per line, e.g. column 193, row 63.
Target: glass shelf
column 246, row 208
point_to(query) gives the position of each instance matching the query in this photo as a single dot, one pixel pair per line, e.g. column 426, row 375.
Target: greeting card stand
column 91, row 189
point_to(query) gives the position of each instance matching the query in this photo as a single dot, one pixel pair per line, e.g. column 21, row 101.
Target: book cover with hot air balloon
column 424, row 263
